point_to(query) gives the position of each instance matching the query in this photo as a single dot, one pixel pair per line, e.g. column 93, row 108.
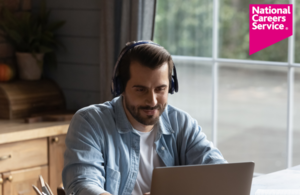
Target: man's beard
column 148, row 120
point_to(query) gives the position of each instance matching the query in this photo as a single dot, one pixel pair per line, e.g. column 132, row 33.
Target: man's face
column 146, row 93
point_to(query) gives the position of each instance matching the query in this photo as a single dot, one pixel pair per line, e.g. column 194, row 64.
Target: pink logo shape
column 269, row 24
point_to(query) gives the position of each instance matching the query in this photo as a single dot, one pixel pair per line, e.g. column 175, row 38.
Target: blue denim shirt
column 102, row 150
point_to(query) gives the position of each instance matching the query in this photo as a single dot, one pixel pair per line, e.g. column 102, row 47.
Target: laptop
column 216, row 179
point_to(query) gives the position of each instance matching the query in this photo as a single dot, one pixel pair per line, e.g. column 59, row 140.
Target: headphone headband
column 116, row 85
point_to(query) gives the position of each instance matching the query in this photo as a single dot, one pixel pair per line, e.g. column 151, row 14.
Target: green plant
column 31, row 32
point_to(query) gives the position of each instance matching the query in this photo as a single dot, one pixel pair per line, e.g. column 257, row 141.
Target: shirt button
column 162, row 148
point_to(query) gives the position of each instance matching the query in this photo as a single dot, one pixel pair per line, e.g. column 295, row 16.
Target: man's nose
column 151, row 99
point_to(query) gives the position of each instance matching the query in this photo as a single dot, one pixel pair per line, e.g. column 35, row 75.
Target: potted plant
column 32, row 36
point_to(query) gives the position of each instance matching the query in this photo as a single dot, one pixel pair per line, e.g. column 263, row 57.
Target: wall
column 7, row 53
column 77, row 71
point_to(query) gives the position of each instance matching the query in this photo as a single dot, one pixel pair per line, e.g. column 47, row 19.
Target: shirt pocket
column 112, row 181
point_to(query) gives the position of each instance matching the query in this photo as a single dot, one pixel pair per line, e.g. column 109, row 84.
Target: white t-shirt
column 149, row 159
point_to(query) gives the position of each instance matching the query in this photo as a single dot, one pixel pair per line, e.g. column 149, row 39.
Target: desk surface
column 17, row 130
column 285, row 179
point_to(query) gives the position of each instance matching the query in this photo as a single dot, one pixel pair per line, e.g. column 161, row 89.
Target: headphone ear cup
column 172, row 88
column 118, row 87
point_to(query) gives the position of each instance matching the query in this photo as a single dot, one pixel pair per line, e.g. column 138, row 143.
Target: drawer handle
column 5, row 157
column 9, row 178
column 55, row 140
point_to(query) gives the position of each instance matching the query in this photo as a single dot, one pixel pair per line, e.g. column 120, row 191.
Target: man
column 113, row 147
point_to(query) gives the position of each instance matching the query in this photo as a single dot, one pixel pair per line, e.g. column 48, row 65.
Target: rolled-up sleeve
column 83, row 172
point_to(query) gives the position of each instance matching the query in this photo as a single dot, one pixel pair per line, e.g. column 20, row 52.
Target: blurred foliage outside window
column 185, row 28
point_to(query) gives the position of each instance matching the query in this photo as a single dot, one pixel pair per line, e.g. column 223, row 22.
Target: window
column 247, row 105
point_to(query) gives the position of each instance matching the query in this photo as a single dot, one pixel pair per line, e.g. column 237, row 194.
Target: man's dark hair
column 149, row 55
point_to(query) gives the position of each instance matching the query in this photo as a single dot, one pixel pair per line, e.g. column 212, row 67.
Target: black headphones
column 116, row 81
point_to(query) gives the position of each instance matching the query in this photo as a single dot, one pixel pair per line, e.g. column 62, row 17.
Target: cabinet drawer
column 25, row 154
column 21, row 181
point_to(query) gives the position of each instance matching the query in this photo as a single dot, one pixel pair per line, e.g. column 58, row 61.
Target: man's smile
column 149, row 112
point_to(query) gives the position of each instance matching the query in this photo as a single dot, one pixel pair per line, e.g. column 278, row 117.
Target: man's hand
column 148, row 193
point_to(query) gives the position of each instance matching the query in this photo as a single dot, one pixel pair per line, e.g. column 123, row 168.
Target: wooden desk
column 30, row 150
column 285, row 179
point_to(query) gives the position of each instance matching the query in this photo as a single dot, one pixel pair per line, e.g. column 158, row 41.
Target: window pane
column 234, row 32
column 296, row 132
column 184, row 28
column 194, row 95
column 252, row 115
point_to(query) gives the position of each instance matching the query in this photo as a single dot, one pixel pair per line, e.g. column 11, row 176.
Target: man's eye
column 139, row 89
column 161, row 89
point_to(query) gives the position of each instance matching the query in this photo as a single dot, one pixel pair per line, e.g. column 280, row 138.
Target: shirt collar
column 124, row 126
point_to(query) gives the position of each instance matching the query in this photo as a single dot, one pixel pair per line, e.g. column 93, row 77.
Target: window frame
column 290, row 64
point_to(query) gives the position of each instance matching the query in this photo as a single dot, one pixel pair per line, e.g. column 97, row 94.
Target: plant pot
column 30, row 67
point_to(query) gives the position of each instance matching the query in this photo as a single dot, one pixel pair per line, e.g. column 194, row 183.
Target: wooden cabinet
column 20, row 182
column 22, row 162
column 57, row 148
column 30, row 150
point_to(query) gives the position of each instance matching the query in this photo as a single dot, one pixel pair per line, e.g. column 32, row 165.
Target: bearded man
column 112, row 148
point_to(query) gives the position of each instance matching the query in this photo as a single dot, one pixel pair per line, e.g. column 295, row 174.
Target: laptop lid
column 215, row 179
